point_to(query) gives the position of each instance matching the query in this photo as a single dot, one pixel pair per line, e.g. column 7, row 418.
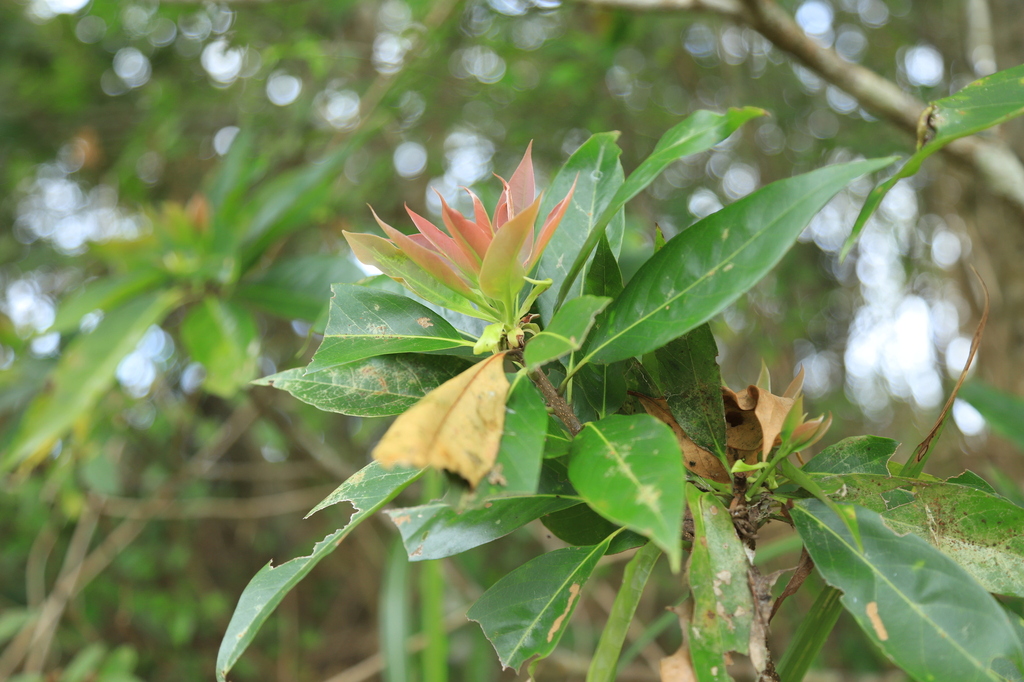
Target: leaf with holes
column 972, row 526
column 368, row 490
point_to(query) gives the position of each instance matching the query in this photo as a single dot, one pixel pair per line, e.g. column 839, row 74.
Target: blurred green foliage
column 157, row 150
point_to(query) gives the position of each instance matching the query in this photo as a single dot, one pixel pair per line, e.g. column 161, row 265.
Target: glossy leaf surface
column 629, row 470
column 599, row 390
column 368, row 490
column 698, row 132
column 377, row 387
column 596, row 170
column 980, row 105
column 709, row 265
column 526, row 612
column 919, row 607
column 566, row 331
column 84, row 373
column 365, row 322
column 975, row 528
column 580, row 525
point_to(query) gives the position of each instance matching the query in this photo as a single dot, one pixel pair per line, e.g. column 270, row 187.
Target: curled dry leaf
column 754, row 421
column 678, row 667
column 456, row 427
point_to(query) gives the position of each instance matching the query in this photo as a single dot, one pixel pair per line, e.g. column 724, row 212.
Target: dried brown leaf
column 695, row 458
column 456, row 427
column 678, row 667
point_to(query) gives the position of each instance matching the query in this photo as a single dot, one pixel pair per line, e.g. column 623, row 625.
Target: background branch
column 991, row 160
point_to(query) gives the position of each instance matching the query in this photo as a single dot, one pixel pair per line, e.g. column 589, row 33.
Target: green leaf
column 603, row 277
column 629, row 470
column 365, row 323
column 598, row 174
column 104, row 294
column 712, row 263
column 855, row 455
column 525, row 613
column 634, row 579
column 84, row 374
column 556, row 441
column 285, row 203
column 368, row 490
column 299, row 287
column 723, row 608
column 438, row 530
column 978, row 530
column 222, row 336
column 566, row 331
column 980, row 105
column 376, row 387
column 1003, row 411
column 689, row 377
column 599, row 390
column 697, row 133
column 919, row 607
column 581, row 526
column 810, row 636
column 521, row 450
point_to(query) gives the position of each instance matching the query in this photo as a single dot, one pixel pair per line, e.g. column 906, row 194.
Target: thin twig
column 992, row 160
column 53, row 608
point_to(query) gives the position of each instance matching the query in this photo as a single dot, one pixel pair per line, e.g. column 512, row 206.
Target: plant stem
column 634, row 579
column 555, row 402
column 394, row 614
column 810, row 636
column 435, row 652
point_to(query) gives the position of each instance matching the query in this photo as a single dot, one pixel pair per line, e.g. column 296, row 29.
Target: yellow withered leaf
column 456, row 427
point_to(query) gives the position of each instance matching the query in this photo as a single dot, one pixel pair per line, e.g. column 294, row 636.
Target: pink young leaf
column 550, row 225
column 502, row 272
column 435, row 265
column 502, row 212
column 389, row 259
column 473, row 239
column 480, row 214
column 446, row 246
column 522, row 189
